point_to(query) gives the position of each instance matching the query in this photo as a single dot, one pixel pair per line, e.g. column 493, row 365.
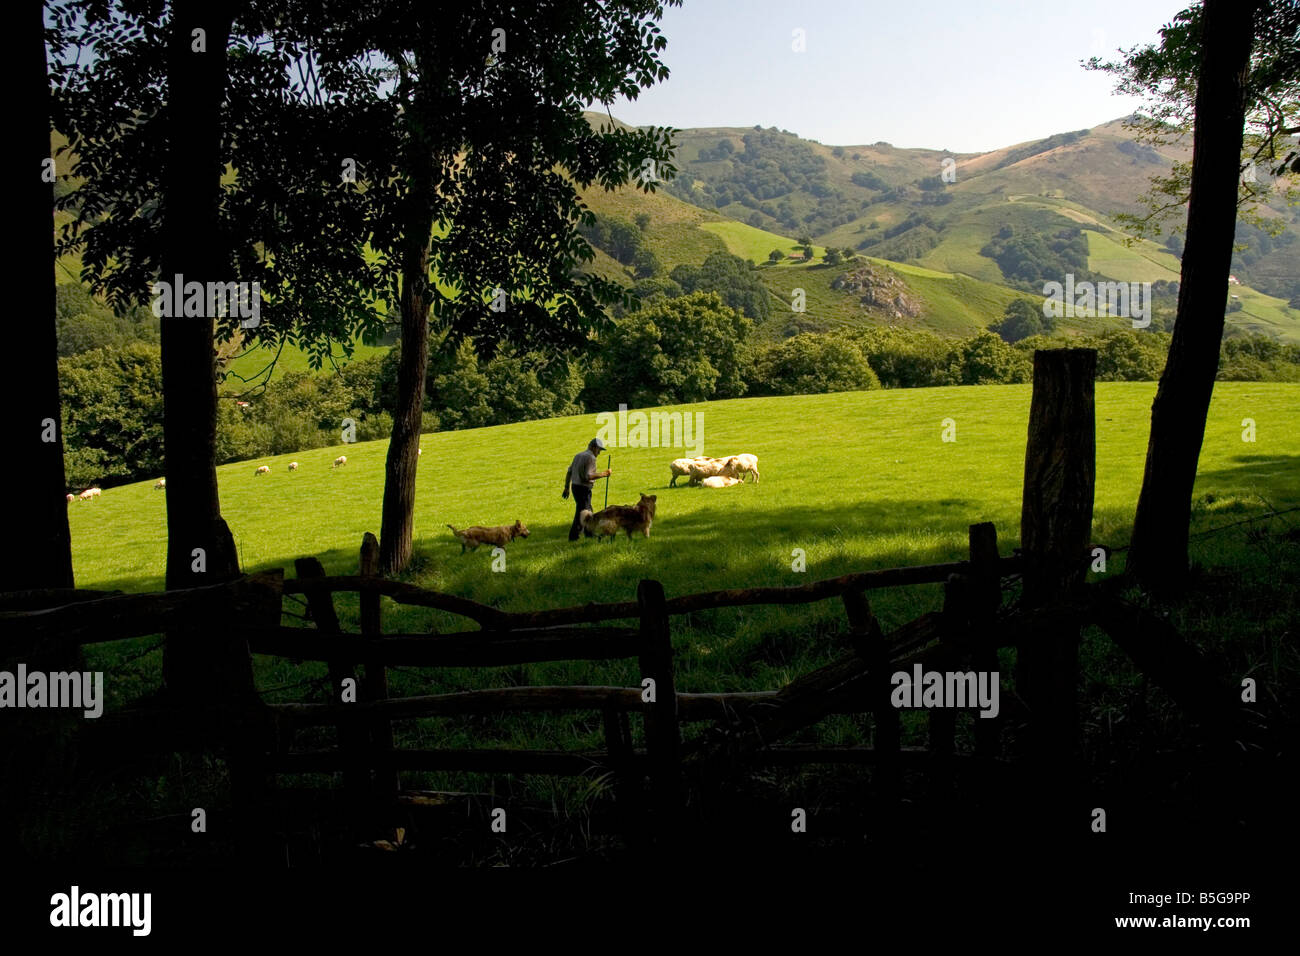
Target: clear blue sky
column 960, row 75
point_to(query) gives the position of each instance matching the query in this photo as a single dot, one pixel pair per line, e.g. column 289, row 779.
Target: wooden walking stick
column 608, row 463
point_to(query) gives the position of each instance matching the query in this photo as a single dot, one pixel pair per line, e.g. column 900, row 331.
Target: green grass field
column 1141, row 262
column 886, row 491
column 755, row 244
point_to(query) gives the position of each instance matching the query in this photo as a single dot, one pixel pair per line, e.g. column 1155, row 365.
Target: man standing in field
column 582, row 474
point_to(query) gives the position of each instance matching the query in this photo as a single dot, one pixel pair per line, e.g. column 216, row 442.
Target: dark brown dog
column 618, row 518
column 499, row 536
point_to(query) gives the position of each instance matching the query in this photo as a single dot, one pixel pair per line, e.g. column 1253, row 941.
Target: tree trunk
column 196, row 88
column 1159, row 556
column 39, row 554
column 397, row 526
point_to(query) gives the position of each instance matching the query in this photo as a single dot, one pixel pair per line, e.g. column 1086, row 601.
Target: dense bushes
column 1029, row 259
column 687, row 349
column 810, row 363
column 624, row 241
column 112, row 414
column 734, row 279
column 83, row 323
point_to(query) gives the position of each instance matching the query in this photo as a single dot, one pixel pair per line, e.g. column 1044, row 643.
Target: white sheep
column 293, row 466
column 340, row 460
column 70, row 497
column 160, row 484
column 719, row 481
column 262, row 470
column 741, row 465
column 703, row 468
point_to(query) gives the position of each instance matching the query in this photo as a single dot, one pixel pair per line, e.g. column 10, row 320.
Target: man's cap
column 597, row 443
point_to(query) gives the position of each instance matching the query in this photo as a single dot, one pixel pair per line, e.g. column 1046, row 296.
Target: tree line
column 691, row 348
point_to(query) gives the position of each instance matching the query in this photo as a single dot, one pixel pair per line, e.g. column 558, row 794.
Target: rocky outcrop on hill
column 879, row 289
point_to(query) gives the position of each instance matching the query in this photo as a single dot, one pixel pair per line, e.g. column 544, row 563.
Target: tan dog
column 616, row 518
column 498, row 537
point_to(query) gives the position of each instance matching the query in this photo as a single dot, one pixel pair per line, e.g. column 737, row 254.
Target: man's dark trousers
column 581, row 503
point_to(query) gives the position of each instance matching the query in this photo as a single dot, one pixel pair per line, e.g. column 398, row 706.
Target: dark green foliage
column 645, row 264
column 810, row 363
column 1123, row 355
column 735, row 279
column 986, row 360
column 619, row 238
column 687, row 349
column 1257, row 358
column 1031, row 259
column 84, row 323
column 1021, row 320
column 112, row 414
column 869, row 181
column 773, row 164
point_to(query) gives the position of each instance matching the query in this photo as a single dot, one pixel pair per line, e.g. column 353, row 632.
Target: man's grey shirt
column 583, row 469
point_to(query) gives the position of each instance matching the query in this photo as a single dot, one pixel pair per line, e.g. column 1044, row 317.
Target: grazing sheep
column 88, row 494
column 160, row 484
column 703, row 468
column 70, row 497
column 340, row 460
column 719, row 481
column 293, row 466
column 741, row 465
column 681, row 467
column 262, row 470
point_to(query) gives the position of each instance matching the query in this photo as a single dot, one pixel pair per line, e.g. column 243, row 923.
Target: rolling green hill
column 890, row 493
column 771, row 181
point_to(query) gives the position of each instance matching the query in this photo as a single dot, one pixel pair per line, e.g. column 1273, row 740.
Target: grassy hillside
column 874, row 504
column 755, row 244
column 1142, row 262
column 854, row 193
column 888, row 492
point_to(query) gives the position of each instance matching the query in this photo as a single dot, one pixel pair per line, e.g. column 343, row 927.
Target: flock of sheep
column 339, row 462
column 161, row 483
column 714, row 472
column 705, row 471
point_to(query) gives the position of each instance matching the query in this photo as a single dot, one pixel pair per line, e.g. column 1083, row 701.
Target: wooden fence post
column 387, row 783
column 985, row 599
column 869, row 641
column 351, row 738
column 942, row 721
column 1055, row 530
column 663, row 735
column 618, row 745
column 256, row 602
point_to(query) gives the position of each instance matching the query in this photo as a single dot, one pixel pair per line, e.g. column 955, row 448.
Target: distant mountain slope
column 938, row 210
